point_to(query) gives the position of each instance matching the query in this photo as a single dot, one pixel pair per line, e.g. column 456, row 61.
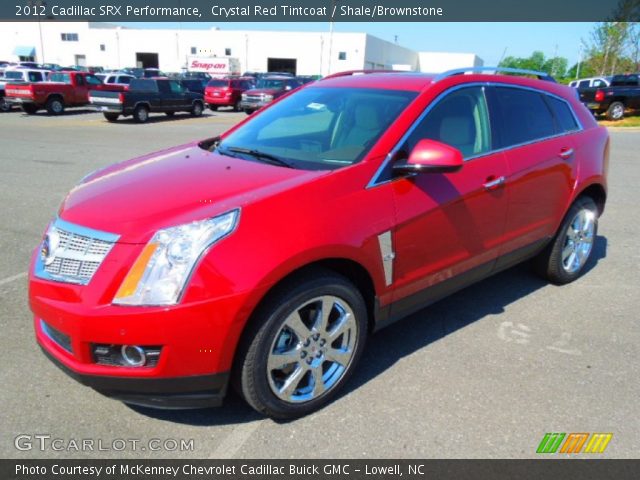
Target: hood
column 136, row 198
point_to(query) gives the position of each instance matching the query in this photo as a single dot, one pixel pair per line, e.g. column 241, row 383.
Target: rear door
column 450, row 224
column 536, row 131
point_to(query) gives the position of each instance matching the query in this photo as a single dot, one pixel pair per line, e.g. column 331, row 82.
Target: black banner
column 565, row 469
column 320, row 10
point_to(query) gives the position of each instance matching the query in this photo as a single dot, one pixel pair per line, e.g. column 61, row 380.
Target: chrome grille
column 71, row 253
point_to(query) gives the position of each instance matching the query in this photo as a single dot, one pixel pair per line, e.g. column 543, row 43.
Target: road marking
column 17, row 276
column 231, row 445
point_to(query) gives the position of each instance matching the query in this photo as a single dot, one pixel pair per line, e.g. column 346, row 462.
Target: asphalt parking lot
column 483, row 374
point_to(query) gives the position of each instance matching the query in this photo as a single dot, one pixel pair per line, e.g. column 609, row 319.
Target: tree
column 555, row 66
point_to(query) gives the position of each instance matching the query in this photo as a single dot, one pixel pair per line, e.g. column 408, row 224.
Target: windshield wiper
column 267, row 157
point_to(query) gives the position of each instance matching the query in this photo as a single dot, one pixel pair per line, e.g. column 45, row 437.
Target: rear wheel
column 303, row 346
column 169, row 114
column 111, row 117
column 615, row 111
column 141, row 114
column 564, row 259
column 4, row 105
column 55, row 106
column 213, row 107
column 237, row 107
column 197, row 109
column 29, row 108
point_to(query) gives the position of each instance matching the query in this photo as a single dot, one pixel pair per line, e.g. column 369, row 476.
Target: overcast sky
column 487, row 40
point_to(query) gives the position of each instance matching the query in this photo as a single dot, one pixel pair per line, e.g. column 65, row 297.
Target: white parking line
column 17, row 276
column 231, row 445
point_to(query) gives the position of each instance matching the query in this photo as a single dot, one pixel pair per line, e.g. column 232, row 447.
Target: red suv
column 226, row 92
column 265, row 257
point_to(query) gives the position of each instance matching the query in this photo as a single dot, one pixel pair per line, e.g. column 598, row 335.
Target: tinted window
column 111, row 80
column 524, row 116
column 460, row 119
column 599, row 83
column 125, row 80
column 583, row 84
column 13, row 75
column 564, row 117
column 92, row 80
column 35, row 77
column 144, row 85
column 176, row 87
column 321, row 128
column 218, row 83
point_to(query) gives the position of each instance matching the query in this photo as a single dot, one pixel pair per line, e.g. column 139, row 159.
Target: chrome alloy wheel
column 578, row 241
column 312, row 350
column 617, row 112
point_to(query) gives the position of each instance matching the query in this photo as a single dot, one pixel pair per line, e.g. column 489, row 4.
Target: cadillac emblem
column 49, row 246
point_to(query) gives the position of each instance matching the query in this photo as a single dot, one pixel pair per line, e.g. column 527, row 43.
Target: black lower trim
column 406, row 306
column 198, row 391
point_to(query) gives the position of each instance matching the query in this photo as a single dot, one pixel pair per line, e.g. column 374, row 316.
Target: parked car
column 146, row 96
column 121, row 79
column 196, row 75
column 226, row 92
column 135, row 71
column 266, row 256
column 153, row 73
column 19, row 75
column 593, row 82
column 623, row 93
column 266, row 90
column 61, row 90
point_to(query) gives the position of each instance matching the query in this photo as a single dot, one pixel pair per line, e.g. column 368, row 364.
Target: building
column 303, row 53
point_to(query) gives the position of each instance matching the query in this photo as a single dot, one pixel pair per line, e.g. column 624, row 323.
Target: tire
column 29, row 108
column 141, row 114
column 111, row 117
column 248, row 112
column 258, row 376
column 213, row 108
column 197, row 109
column 55, row 106
column 615, row 111
column 563, row 260
column 169, row 114
column 236, row 107
column 4, row 105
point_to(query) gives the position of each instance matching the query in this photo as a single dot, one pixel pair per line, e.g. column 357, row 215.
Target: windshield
column 320, row 128
column 60, row 78
column 270, row 83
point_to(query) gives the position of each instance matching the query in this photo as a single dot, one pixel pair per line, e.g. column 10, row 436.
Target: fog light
column 133, row 355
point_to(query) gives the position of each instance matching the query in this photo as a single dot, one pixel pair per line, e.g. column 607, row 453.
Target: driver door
column 449, row 225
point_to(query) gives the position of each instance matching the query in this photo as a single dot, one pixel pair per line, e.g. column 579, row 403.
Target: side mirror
column 430, row 156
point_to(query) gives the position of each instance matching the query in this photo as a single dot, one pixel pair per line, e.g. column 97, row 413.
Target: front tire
column 303, row 346
column 564, row 259
column 615, row 111
column 4, row 105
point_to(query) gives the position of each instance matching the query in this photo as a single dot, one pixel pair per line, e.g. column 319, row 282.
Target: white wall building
column 306, row 53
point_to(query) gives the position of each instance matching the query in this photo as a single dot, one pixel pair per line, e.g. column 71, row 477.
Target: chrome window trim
column 374, row 180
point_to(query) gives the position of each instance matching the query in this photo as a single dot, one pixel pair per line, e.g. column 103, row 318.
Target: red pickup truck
column 61, row 90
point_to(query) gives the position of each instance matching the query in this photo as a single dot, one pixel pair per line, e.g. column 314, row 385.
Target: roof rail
column 459, row 71
column 359, row 72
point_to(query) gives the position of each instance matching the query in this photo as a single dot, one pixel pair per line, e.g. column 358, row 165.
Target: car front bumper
column 252, row 106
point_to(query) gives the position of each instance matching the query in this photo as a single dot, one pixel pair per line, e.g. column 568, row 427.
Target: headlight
column 161, row 271
column 244, row 96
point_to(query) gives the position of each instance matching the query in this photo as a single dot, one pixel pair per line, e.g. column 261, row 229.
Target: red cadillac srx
column 265, row 257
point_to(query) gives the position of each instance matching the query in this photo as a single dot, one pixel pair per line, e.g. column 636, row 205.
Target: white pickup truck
column 18, row 75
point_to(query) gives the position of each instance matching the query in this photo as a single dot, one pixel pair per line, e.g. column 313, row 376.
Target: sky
column 487, row 40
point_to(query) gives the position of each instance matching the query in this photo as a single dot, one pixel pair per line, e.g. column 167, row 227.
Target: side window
column 79, row 80
column 460, row 119
column 176, row 87
column 125, row 80
column 35, row 77
column 562, row 111
column 523, row 116
column 598, row 83
column 111, row 80
column 583, row 84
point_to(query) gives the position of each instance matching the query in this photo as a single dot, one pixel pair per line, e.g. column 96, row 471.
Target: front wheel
column 55, row 106
column 303, row 346
column 564, row 259
column 615, row 111
column 4, row 105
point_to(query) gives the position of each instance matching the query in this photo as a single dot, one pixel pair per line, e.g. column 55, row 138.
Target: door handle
column 493, row 184
column 566, row 153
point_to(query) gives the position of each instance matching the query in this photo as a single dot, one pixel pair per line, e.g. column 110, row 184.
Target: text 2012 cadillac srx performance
column 265, row 257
